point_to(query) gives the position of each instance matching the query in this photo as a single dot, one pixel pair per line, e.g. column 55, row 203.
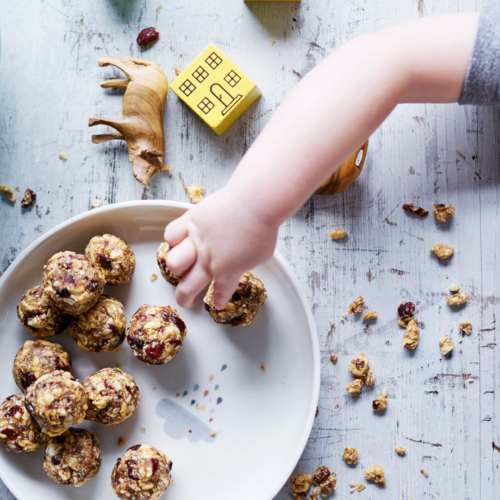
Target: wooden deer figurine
column 142, row 122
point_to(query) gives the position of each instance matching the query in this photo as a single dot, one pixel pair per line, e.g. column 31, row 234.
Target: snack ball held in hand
column 143, row 473
column 36, row 358
column 73, row 458
column 245, row 303
column 155, row 334
column 113, row 256
column 38, row 316
column 113, row 396
column 71, row 283
column 57, row 401
column 102, row 327
column 161, row 258
column 19, row 431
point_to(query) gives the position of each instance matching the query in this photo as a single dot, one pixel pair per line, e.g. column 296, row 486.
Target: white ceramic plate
column 214, row 383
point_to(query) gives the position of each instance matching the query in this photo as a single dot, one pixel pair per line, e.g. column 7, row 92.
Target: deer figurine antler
column 142, row 122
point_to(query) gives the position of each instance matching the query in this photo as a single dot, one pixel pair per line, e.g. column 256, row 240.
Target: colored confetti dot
column 211, row 378
column 219, row 401
column 193, row 402
column 177, row 395
column 185, row 393
column 196, row 387
column 197, row 405
column 223, row 368
column 205, row 394
column 210, row 419
column 212, row 410
column 210, row 400
column 216, row 387
column 203, row 407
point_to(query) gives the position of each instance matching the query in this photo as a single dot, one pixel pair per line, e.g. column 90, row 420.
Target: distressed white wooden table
column 425, row 153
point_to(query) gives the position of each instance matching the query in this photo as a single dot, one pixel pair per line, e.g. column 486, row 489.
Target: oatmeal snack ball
column 143, row 473
column 36, row 358
column 71, row 283
column 102, row 327
column 73, row 458
column 155, row 334
column 113, row 256
column 161, row 258
column 38, row 316
column 57, row 401
column 18, row 430
column 113, row 396
column 245, row 303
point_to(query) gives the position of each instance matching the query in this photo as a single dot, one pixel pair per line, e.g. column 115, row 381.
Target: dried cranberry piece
column 28, row 199
column 64, row 293
column 207, row 307
column 94, row 285
column 175, row 342
column 11, row 435
column 27, row 379
column 56, row 460
column 130, row 470
column 406, row 310
column 15, row 409
column 135, row 447
column 148, row 35
column 234, row 321
column 410, row 207
column 138, row 344
column 114, row 329
column 170, row 465
column 10, row 397
column 155, row 462
column 30, row 314
column 179, row 323
column 154, row 351
column 104, row 261
column 118, row 462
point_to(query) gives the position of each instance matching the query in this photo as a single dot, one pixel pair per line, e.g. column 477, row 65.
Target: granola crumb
column 214, row 433
column 195, row 193
column 466, row 327
column 410, row 207
column 263, row 368
column 325, row 479
column 442, row 251
column 400, row 450
column 29, row 198
column 344, row 316
column 314, row 494
column 5, row 188
column 360, row 487
column 352, row 490
column 454, row 288
column 446, row 345
column 331, row 322
column 337, row 234
column 354, row 387
column 357, row 305
column 178, row 71
column 352, row 484
column 350, row 455
column 121, row 441
column 153, row 277
column 154, row 387
column 457, row 299
column 406, row 311
column 359, row 366
column 370, row 315
column 118, row 365
column 412, row 332
column 301, row 483
column 143, row 429
column 63, row 156
column 375, row 474
column 96, row 203
column 273, row 42
column 334, row 358
column 72, row 196
column 442, row 211
column 446, row 276
column 380, row 403
column 470, row 380
column 424, row 472
column 370, row 378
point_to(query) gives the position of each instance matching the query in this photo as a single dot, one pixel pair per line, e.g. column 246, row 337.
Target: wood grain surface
column 443, row 411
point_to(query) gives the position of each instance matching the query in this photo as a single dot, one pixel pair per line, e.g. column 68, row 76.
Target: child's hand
column 221, row 238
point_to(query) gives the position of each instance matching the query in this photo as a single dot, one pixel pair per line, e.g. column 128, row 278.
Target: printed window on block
column 200, row 74
column 213, row 60
column 206, row 105
column 187, row 88
column 232, row 78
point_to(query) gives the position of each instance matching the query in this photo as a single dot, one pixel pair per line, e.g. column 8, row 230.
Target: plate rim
column 277, row 256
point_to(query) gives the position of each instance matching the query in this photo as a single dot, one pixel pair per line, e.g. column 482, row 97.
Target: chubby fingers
column 176, row 231
column 182, row 257
column 191, row 285
column 224, row 289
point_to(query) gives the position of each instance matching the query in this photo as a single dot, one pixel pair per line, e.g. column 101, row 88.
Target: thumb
column 224, row 289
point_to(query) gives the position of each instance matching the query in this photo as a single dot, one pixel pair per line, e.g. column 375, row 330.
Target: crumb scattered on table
column 454, row 288
column 5, row 188
column 29, row 198
column 357, row 305
column 350, row 455
column 96, row 203
column 443, row 211
column 457, row 299
column 442, row 251
column 352, row 484
column 334, row 358
column 360, row 487
column 446, row 345
column 359, row 366
column 154, row 386
column 273, row 42
column 370, row 378
column 121, row 441
column 63, row 156
column 325, row 479
column 263, row 368
column 370, row 315
column 301, row 483
column 195, row 193
column 424, row 472
column 352, row 490
column 214, row 433
column 380, row 402
column 466, row 327
column 178, row 71
column 412, row 332
column 410, row 207
column 400, row 450
column 376, row 474
column 143, row 429
column 118, row 365
column 354, row 387
column 153, row 277
column 337, row 234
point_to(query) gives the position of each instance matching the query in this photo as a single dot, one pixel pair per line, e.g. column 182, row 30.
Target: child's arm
column 325, row 118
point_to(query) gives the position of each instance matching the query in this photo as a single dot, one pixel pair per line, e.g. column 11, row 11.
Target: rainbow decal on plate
column 180, row 420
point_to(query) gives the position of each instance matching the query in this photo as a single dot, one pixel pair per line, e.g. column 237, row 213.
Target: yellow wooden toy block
column 215, row 89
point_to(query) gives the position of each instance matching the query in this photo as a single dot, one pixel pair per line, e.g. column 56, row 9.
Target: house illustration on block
column 215, row 89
